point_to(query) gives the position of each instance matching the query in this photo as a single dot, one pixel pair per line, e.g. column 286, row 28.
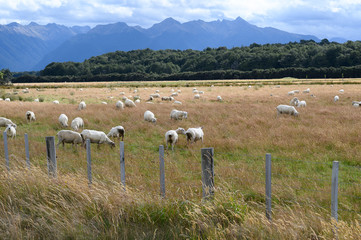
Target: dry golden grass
column 241, row 129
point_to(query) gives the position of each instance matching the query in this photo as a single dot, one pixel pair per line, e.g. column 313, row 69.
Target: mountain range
column 32, row 47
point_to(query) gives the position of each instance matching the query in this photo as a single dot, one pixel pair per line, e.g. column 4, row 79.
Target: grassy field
column 241, row 129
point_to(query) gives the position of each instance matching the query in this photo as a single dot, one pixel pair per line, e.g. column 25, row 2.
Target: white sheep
column 119, row 105
column 177, row 102
column 356, row 103
column 301, row 103
column 96, row 137
column 36, row 100
column 10, row 131
column 197, row 96
column 7, row 99
column 200, row 92
column 155, row 95
column 129, row 103
column 219, row 98
column 77, row 123
column 195, row 91
column 137, row 101
column 174, row 94
column 4, row 122
column 341, row 91
column 336, row 98
column 294, row 101
column 296, row 91
column 122, row 93
column 82, row 105
column 68, row 136
column 157, row 91
column 30, row 116
column 194, row 134
column 63, row 119
column 286, row 109
column 306, row 91
column 149, row 116
column 56, row 102
column 291, row 93
column 171, row 136
column 105, row 103
column 179, row 91
column 167, row 98
column 178, row 115
column 117, row 132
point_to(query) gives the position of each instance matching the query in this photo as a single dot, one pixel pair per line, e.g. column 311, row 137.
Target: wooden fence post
column 268, row 187
column 27, row 156
column 334, row 190
column 6, row 152
column 162, row 173
column 51, row 155
column 207, row 172
column 89, row 161
column 122, row 164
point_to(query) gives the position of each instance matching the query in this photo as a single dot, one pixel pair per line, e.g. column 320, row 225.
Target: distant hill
column 32, row 47
column 23, row 46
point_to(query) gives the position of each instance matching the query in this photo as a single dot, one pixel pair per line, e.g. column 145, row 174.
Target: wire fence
column 293, row 181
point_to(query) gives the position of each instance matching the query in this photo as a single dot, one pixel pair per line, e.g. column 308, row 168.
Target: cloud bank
column 324, row 19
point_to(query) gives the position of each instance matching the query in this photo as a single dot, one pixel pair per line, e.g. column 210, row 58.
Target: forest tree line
column 304, row 59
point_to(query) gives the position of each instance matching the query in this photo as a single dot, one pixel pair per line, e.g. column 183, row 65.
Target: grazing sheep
column 122, row 93
column 26, row 90
column 96, row 137
column 219, row 98
column 105, row 103
column 291, row 93
column 194, row 134
column 296, row 91
column 167, row 98
column 117, row 132
column 119, row 105
column 150, row 98
column 200, row 92
column 336, row 98
column 68, row 136
column 301, row 103
column 137, row 101
column 285, row 109
column 306, row 91
column 195, row 91
column 197, row 96
column 136, row 98
column 82, row 105
column 171, row 137
column 4, row 122
column 174, row 94
column 7, row 99
column 178, row 115
column 149, row 116
column 341, row 91
column 155, row 95
column 277, row 86
column 63, row 119
column 36, row 100
column 30, row 116
column 10, row 131
column 56, row 102
column 179, row 91
column 157, row 91
column 177, row 102
column 356, row 103
column 129, row 103
column 294, row 101
column 77, row 123
column 124, row 98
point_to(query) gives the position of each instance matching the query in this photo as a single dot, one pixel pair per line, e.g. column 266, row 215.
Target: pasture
column 241, row 129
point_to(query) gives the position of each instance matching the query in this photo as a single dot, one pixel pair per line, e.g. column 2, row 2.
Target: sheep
column 291, row 93
column 285, row 109
column 336, row 98
column 129, row 103
column 96, row 137
column 149, row 116
column 195, row 91
column 36, row 100
column 10, row 131
column 105, row 103
column 122, row 93
column 174, row 94
column 201, row 92
column 341, row 91
column 178, row 115
column 301, row 103
column 137, row 101
column 30, row 116
column 194, row 134
column 296, row 91
column 56, row 102
column 197, row 96
column 306, row 91
column 219, row 98
column 63, row 119
column 124, row 98
column 277, row 86
column 157, row 91
column 155, row 95
column 82, row 105
column 136, row 98
column 4, row 122
column 150, row 98
column 179, row 91
column 355, row 104
column 117, row 131
column 119, row 105
column 171, row 137
column 294, row 101
column 69, row 136
column 7, row 99
column 177, row 102
column 167, row 98
column 77, row 123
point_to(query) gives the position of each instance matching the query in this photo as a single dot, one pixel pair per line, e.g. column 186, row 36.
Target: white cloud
column 324, row 18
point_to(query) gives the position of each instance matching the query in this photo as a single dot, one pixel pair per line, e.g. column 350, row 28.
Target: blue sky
column 324, row 19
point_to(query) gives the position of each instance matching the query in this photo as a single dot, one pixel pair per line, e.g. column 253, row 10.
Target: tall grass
column 241, row 129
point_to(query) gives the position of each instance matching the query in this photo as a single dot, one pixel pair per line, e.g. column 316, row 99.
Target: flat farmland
column 241, row 129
